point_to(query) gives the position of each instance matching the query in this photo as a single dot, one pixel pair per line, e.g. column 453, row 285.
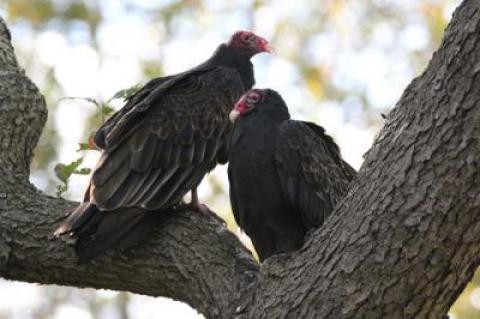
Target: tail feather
column 76, row 219
column 97, row 231
column 124, row 227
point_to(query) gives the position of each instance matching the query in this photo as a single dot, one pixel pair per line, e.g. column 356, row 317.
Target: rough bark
column 402, row 244
column 190, row 258
column 405, row 240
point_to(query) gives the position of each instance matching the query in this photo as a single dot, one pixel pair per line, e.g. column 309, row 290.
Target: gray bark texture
column 403, row 243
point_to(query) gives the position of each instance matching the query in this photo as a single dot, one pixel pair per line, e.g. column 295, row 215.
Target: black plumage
column 285, row 176
column 159, row 146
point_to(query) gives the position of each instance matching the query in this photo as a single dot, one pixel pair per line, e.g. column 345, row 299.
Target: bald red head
column 250, row 42
column 246, row 103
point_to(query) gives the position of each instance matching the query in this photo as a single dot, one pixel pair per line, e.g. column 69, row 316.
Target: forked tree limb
column 403, row 243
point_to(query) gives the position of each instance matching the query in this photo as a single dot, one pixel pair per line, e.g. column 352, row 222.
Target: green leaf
column 83, row 147
column 126, row 93
column 61, row 189
column 64, row 171
column 107, row 110
column 82, row 171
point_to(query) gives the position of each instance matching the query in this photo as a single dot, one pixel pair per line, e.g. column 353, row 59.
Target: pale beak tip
column 269, row 48
column 233, row 116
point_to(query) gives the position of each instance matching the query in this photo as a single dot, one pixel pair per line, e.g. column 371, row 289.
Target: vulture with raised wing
column 159, row 146
column 285, row 176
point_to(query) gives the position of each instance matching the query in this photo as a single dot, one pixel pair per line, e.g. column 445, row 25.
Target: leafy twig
column 65, row 171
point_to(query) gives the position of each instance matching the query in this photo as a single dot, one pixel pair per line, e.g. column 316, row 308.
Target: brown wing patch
column 170, row 146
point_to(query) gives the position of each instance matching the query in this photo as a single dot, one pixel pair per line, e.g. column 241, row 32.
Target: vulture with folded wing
column 159, row 146
column 285, row 176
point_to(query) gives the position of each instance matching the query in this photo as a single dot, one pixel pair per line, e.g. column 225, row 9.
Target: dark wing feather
column 312, row 175
column 233, row 196
column 141, row 101
column 132, row 101
column 154, row 157
column 333, row 149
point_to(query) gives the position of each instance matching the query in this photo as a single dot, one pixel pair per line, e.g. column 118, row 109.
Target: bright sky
column 380, row 68
column 17, row 298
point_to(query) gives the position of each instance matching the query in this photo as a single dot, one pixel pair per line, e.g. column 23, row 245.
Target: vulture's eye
column 253, row 98
column 248, row 38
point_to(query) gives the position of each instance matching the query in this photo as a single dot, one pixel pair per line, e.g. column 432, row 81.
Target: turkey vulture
column 159, row 146
column 285, row 176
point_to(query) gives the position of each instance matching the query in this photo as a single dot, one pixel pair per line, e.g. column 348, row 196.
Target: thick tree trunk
column 402, row 244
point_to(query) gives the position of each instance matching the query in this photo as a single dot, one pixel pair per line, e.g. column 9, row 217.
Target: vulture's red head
column 246, row 103
column 249, row 42
column 266, row 101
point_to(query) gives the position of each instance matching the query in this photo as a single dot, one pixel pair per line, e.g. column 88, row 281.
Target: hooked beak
column 234, row 115
column 238, row 109
column 264, row 45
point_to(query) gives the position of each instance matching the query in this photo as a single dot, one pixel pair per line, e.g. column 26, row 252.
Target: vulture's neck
column 237, row 59
column 264, row 118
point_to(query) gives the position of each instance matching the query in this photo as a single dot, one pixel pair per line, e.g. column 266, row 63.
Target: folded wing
column 163, row 144
column 313, row 177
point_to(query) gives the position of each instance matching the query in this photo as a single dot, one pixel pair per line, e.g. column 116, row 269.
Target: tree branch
column 402, row 244
column 190, row 258
column 405, row 241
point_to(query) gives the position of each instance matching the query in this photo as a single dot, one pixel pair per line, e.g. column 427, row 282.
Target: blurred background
column 338, row 63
